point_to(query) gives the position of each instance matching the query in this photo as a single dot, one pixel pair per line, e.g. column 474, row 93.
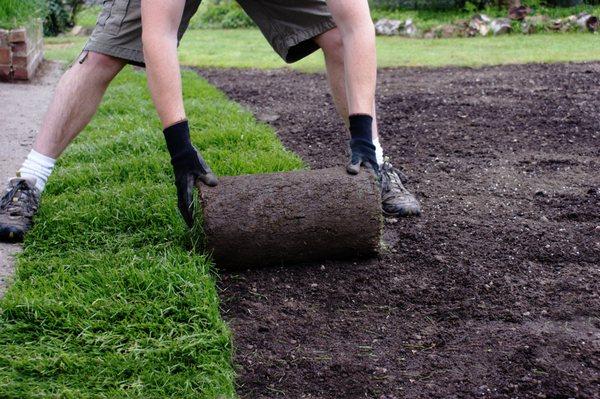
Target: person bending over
column 294, row 28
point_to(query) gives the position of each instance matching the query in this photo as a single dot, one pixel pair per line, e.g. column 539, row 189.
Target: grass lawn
column 423, row 19
column 87, row 16
column 109, row 301
column 246, row 48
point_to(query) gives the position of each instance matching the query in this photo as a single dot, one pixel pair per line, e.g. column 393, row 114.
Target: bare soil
column 22, row 106
column 493, row 292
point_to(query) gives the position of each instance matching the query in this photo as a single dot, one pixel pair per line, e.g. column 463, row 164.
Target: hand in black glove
column 362, row 154
column 190, row 171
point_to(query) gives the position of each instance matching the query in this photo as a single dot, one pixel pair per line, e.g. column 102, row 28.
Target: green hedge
column 223, row 14
column 60, row 15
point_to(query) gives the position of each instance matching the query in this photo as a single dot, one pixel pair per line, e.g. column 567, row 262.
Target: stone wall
column 21, row 51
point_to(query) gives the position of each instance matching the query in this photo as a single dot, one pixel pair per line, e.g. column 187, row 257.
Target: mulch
column 493, row 292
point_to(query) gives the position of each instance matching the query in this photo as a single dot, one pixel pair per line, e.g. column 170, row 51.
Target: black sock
column 361, row 127
column 179, row 144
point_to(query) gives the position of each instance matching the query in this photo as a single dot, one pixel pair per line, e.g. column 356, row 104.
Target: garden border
column 21, row 51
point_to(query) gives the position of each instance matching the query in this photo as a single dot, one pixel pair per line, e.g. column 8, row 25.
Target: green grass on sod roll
column 108, row 300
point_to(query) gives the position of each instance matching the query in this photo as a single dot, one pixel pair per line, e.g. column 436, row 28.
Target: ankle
column 37, row 168
column 361, row 127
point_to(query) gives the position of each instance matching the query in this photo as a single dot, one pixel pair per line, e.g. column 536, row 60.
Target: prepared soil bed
column 493, row 292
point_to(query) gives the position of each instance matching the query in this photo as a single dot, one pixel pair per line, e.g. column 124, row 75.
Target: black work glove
column 190, row 171
column 362, row 154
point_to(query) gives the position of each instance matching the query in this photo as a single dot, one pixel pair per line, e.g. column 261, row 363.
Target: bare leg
column 160, row 21
column 75, row 102
column 353, row 19
column 333, row 50
column 396, row 200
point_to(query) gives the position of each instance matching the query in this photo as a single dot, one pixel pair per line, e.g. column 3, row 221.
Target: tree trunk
column 285, row 218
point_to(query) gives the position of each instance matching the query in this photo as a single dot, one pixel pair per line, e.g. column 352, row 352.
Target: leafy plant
column 60, row 15
column 225, row 14
column 470, row 7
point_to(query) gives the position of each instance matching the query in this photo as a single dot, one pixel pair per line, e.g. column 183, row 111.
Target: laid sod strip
column 109, row 301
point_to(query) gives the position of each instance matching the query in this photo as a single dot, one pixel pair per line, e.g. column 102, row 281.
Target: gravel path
column 23, row 106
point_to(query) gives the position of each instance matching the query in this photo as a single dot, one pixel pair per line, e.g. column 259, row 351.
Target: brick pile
column 21, row 51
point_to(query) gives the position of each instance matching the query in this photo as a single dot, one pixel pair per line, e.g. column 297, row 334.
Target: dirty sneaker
column 396, row 200
column 17, row 207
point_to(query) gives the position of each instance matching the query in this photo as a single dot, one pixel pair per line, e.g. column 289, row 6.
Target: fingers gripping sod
column 189, row 167
column 362, row 154
column 185, row 181
column 361, row 144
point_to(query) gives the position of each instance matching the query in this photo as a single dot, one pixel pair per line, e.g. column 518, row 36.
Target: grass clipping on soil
column 108, row 301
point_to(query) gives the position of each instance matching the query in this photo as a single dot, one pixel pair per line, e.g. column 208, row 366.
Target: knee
column 332, row 44
column 101, row 65
column 103, row 61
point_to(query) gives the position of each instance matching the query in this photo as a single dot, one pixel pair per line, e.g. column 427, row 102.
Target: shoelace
column 392, row 177
column 7, row 203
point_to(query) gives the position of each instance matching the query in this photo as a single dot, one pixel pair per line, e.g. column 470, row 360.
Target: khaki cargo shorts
column 288, row 25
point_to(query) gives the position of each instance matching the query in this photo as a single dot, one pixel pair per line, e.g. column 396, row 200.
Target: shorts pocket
column 117, row 14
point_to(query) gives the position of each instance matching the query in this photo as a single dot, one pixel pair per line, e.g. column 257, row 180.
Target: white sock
column 378, row 151
column 37, row 167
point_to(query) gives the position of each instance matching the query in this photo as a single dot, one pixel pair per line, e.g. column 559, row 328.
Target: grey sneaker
column 17, row 208
column 396, row 200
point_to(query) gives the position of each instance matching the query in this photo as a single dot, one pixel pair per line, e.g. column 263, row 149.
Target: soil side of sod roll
column 493, row 292
column 285, row 218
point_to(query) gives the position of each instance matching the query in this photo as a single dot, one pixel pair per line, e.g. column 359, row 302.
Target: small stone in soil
column 269, row 118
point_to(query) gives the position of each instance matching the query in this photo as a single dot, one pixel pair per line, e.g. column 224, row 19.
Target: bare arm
column 160, row 23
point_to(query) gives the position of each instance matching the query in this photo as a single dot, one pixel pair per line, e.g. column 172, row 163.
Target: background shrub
column 60, row 15
column 225, row 14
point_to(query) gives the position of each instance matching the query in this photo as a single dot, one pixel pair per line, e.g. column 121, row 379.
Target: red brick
column 5, row 73
column 20, row 62
column 26, row 73
column 22, row 49
column 35, row 62
column 3, row 37
column 17, row 35
column 5, row 56
column 21, row 74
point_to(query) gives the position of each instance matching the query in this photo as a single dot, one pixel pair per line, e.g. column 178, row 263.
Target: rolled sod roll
column 293, row 217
